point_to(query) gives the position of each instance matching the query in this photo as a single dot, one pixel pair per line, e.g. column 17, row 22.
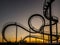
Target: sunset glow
column 18, row 12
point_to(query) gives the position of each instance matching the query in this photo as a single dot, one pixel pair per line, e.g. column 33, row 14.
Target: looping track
column 34, row 31
column 46, row 15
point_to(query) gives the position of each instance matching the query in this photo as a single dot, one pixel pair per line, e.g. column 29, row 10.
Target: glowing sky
column 20, row 10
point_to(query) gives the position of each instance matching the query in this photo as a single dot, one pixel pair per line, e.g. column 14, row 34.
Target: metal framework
column 48, row 15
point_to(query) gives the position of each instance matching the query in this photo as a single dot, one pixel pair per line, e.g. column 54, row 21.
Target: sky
column 19, row 11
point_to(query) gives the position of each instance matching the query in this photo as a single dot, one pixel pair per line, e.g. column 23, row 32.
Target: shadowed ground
column 9, row 43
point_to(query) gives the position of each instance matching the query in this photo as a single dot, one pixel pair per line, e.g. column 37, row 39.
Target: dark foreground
column 27, row 44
